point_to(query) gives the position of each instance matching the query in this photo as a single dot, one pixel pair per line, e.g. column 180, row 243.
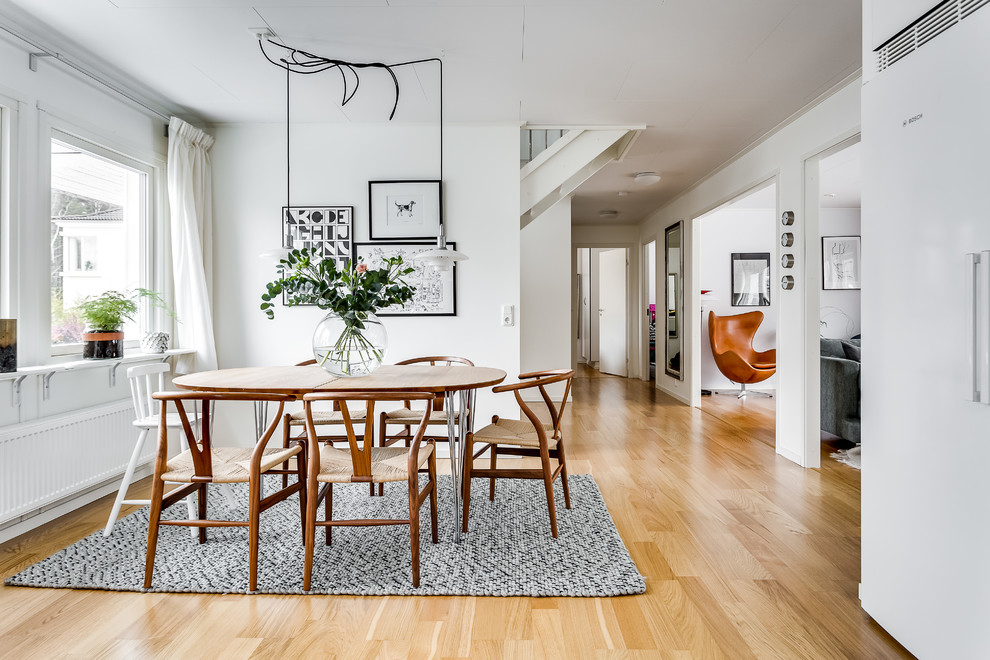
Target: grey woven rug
column 508, row 552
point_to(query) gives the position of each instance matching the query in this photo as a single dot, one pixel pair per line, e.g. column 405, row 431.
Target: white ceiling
column 708, row 77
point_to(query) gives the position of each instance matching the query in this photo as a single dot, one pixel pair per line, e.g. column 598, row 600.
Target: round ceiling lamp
column 646, row 178
column 608, row 214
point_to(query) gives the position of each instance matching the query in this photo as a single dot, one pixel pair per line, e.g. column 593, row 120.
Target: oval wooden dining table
column 463, row 381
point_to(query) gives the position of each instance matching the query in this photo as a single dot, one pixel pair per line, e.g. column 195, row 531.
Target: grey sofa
column 840, row 364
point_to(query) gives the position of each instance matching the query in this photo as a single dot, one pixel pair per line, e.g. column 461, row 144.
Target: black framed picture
column 404, row 210
column 436, row 292
column 840, row 262
column 750, row 279
column 325, row 228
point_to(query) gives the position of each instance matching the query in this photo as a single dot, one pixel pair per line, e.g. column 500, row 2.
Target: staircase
column 556, row 161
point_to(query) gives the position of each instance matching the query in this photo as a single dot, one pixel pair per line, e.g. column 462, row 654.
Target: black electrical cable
column 301, row 62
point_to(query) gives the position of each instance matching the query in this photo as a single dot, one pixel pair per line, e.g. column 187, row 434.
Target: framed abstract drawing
column 404, row 210
column 435, row 290
column 840, row 262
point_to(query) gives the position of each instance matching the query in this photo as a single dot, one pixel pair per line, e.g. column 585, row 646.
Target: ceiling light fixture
column 646, row 178
column 608, row 214
column 300, row 62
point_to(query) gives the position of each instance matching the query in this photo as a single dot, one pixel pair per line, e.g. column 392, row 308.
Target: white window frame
column 8, row 187
column 149, row 268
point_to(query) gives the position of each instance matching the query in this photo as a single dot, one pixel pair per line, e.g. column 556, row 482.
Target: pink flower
column 361, row 268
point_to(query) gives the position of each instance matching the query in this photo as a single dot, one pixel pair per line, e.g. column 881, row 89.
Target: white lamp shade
column 440, row 258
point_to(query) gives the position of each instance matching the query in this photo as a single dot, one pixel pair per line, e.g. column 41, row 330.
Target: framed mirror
column 674, row 267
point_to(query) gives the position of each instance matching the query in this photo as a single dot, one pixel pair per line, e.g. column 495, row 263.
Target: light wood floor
column 746, row 555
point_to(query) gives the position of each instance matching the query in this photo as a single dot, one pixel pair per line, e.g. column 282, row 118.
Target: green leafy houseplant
column 353, row 293
column 105, row 315
column 108, row 311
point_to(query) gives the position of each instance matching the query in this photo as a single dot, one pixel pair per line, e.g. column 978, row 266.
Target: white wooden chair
column 145, row 380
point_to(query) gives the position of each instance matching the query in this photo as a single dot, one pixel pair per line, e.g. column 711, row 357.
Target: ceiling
column 707, row 77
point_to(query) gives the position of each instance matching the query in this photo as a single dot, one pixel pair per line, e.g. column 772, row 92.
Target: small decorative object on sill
column 104, row 316
column 155, row 342
column 351, row 340
column 8, row 345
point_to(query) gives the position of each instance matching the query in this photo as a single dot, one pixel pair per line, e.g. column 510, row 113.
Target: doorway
column 737, row 268
column 839, row 223
column 601, row 309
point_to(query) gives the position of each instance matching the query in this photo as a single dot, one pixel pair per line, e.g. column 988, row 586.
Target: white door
column 612, row 310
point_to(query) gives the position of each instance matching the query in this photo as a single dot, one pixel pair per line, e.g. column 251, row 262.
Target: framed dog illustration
column 406, row 210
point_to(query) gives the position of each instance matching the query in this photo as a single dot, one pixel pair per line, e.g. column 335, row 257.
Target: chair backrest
column 540, row 380
column 433, row 361
column 444, row 361
column 201, row 445
column 734, row 333
column 361, row 454
column 145, row 380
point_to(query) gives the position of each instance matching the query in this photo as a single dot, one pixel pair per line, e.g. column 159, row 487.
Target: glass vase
column 350, row 348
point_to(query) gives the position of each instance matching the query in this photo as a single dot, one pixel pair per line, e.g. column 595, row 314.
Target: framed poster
column 750, row 279
column 840, row 262
column 435, row 290
column 326, row 229
column 404, row 210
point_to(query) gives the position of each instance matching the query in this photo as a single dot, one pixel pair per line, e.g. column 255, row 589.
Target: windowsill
column 129, row 356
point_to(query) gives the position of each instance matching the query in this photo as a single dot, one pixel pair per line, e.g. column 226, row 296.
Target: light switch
column 508, row 315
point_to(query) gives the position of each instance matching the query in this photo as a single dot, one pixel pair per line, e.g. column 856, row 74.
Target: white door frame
column 634, row 329
column 812, row 298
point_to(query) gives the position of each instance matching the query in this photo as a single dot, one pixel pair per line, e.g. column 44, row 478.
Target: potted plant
column 350, row 340
column 105, row 315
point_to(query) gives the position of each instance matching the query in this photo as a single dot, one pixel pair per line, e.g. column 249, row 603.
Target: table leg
column 455, row 464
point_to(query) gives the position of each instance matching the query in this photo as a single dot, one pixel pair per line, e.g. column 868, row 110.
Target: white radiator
column 49, row 460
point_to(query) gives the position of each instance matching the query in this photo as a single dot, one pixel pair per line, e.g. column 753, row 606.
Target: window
column 99, row 232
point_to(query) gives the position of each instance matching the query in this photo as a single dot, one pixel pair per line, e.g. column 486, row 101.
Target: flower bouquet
column 350, row 340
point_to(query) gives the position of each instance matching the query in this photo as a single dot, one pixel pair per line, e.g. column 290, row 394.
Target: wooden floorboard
column 746, row 555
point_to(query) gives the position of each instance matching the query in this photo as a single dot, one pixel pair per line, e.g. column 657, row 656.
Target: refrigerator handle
column 972, row 328
column 978, row 326
column 982, row 340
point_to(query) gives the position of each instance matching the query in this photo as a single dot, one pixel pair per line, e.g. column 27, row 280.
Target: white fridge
column 926, row 329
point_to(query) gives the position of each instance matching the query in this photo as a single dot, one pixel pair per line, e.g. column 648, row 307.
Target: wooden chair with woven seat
column 530, row 437
column 366, row 463
column 330, row 418
column 202, row 463
column 406, row 416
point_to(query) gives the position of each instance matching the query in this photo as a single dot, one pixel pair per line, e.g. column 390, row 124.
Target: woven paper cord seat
column 324, row 417
column 515, row 432
column 387, row 464
column 407, row 416
column 230, row 464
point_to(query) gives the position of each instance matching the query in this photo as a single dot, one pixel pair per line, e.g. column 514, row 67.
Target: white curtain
column 190, row 197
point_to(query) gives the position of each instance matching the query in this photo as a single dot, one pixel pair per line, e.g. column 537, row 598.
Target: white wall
column 723, row 232
column 839, row 309
column 332, row 164
column 780, row 156
column 545, row 317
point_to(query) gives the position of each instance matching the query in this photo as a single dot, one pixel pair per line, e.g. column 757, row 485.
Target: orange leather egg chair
column 732, row 345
